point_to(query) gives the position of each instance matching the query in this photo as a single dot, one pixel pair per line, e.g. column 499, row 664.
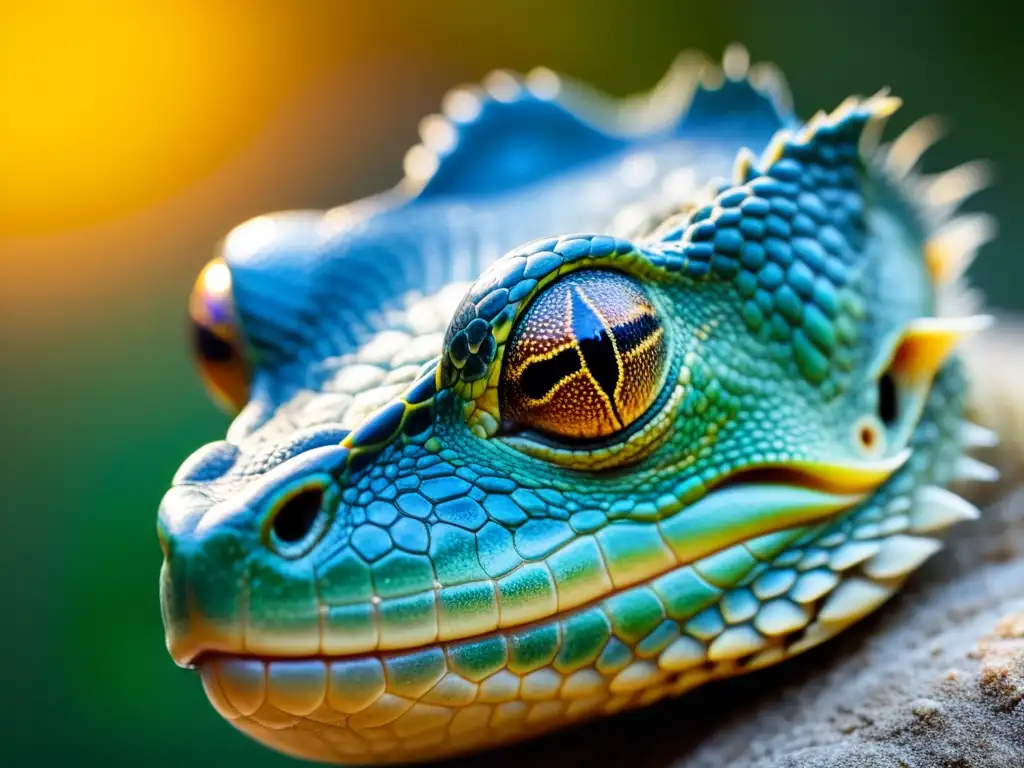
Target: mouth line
column 847, row 483
column 840, row 478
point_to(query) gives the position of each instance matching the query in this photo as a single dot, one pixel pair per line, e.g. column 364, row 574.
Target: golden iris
column 216, row 339
column 585, row 359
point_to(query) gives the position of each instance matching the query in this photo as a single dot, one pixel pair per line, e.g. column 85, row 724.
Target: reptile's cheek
column 431, row 625
column 223, row 597
column 577, row 648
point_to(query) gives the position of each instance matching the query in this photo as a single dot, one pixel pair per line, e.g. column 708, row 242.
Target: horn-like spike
column 769, row 79
column 419, row 164
column 937, row 508
column 977, row 436
column 736, row 61
column 928, row 341
column 462, row 104
column 969, row 468
column 775, row 148
column 950, row 251
column 744, row 167
column 543, row 82
column 846, row 106
column 817, row 120
column 657, row 108
column 899, row 555
column 857, row 118
column 437, row 133
column 503, row 85
column 712, row 77
column 906, row 150
column 853, row 599
column 882, row 106
column 947, row 190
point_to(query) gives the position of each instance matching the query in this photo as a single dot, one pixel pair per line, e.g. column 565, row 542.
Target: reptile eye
column 216, row 339
column 585, row 359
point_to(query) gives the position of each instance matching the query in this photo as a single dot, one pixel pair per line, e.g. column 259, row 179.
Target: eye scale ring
column 497, row 296
column 586, row 358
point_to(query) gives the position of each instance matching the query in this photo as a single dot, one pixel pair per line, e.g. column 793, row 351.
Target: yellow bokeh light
column 110, row 106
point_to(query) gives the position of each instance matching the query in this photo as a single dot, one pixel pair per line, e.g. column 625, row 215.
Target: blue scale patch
column 463, row 512
column 537, row 538
column 371, row 541
column 410, row 534
column 789, row 240
column 513, row 143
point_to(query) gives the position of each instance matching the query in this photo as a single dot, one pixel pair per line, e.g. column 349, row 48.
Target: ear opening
column 906, row 371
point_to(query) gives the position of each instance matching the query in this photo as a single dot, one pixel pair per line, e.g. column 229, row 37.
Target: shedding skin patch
column 586, row 359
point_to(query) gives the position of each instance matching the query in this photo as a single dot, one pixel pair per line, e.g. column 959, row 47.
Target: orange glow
column 111, row 106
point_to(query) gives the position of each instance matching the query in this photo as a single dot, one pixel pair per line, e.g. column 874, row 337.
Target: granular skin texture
column 934, row 680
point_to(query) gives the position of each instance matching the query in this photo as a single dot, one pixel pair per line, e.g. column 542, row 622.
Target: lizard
column 605, row 400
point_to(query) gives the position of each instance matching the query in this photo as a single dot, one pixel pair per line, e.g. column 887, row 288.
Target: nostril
column 297, row 521
column 297, row 515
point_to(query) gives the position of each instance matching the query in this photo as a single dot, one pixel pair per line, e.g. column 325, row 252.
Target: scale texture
column 603, row 402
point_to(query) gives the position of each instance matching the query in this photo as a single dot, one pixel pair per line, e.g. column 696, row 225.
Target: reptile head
column 603, row 472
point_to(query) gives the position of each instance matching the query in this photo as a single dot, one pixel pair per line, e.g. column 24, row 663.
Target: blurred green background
column 134, row 135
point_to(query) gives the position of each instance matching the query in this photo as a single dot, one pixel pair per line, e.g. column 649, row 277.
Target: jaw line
column 741, row 506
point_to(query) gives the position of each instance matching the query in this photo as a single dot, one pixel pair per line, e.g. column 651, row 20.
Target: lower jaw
column 351, row 712
column 448, row 699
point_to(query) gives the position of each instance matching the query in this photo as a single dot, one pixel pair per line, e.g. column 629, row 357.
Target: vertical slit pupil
column 596, row 346
column 296, row 517
column 888, row 410
column 540, row 377
column 211, row 347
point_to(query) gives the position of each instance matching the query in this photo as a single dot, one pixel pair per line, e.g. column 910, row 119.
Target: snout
column 235, row 578
column 203, row 579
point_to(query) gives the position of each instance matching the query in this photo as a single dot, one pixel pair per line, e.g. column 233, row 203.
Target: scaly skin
column 377, row 566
